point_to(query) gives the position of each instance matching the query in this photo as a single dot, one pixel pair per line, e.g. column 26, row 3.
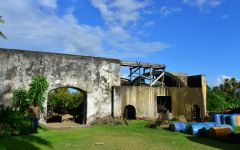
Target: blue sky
column 191, row 36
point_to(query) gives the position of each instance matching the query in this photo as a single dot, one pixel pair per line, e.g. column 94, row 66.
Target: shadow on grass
column 214, row 143
column 26, row 142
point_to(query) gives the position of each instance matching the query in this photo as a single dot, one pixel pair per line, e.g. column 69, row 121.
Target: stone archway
column 66, row 105
column 129, row 112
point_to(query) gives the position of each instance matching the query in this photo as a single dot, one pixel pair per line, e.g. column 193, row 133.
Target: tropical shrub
column 37, row 91
column 13, row 122
column 20, row 100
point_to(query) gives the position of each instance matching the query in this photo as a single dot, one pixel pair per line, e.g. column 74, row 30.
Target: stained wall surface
column 143, row 98
column 94, row 75
column 184, row 98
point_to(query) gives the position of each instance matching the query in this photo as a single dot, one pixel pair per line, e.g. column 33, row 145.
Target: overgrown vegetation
column 224, row 96
column 15, row 120
column 66, row 104
column 62, row 101
column 20, row 100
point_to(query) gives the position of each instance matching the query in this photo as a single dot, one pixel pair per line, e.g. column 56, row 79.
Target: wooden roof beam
column 142, row 64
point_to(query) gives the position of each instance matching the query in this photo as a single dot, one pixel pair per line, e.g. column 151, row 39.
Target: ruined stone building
column 141, row 95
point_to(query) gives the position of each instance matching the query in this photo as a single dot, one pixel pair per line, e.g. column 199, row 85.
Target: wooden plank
column 142, row 64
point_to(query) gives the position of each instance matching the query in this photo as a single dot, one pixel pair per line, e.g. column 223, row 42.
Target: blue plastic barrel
column 194, row 127
column 231, row 120
column 223, row 118
column 234, row 120
column 216, row 118
column 210, row 124
column 177, row 127
column 204, row 131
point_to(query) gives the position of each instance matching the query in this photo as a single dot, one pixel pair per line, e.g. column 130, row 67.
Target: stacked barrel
column 230, row 119
column 221, row 127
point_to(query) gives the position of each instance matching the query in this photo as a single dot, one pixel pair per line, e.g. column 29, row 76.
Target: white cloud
column 149, row 24
column 48, row 3
column 164, row 11
column 202, row 3
column 219, row 80
column 40, row 28
column 119, row 11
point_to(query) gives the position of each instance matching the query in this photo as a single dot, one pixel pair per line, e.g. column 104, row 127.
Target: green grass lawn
column 132, row 137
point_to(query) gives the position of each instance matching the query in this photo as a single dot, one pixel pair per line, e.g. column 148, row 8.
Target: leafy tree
column 37, row 91
column 231, row 88
column 224, row 96
column 1, row 34
column 215, row 100
column 62, row 101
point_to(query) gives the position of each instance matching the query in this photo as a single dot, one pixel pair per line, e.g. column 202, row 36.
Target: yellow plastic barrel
column 238, row 120
column 216, row 132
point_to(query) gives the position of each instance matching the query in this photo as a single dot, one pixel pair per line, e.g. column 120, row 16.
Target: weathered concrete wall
column 143, row 98
column 184, row 98
column 94, row 75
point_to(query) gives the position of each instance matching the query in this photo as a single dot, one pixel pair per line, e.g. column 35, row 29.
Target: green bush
column 13, row 122
column 20, row 100
column 37, row 91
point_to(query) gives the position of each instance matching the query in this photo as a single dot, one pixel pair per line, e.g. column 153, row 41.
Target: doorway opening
column 195, row 112
column 67, row 105
column 129, row 112
column 164, row 104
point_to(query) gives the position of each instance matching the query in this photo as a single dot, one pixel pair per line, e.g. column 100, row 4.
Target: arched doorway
column 196, row 112
column 67, row 105
column 129, row 112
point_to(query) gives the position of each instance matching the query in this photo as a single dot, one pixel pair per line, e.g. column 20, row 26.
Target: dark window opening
column 170, row 82
column 196, row 112
column 195, row 81
column 129, row 112
column 164, row 104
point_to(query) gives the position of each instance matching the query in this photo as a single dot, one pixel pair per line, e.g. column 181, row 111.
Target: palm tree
column 1, row 34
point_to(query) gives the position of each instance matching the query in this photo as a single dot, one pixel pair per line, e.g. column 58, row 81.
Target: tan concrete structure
column 183, row 100
column 144, row 99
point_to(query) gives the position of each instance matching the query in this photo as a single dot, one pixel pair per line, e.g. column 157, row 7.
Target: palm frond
column 2, row 35
column 1, row 20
